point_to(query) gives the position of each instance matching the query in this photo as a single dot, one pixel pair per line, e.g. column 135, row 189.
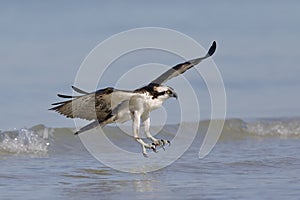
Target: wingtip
column 76, row 89
column 73, row 87
column 212, row 49
column 64, row 96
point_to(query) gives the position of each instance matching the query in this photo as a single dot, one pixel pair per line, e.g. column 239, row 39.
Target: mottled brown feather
column 92, row 106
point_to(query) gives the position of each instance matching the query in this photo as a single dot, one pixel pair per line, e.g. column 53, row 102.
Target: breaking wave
column 275, row 127
column 281, row 127
column 39, row 139
column 25, row 141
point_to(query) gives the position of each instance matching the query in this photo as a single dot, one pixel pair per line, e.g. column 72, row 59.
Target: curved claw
column 161, row 143
column 154, row 148
column 168, row 141
column 164, row 142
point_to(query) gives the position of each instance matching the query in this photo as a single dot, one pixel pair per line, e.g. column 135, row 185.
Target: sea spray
column 24, row 141
column 39, row 138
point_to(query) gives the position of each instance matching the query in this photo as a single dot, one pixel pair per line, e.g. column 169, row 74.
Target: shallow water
column 257, row 159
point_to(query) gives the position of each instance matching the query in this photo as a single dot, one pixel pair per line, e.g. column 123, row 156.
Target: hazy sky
column 43, row 44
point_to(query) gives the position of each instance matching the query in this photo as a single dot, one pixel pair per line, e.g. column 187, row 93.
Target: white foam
column 275, row 127
column 24, row 141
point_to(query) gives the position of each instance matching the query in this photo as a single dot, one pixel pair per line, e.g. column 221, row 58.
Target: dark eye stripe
column 161, row 93
column 155, row 95
column 164, row 92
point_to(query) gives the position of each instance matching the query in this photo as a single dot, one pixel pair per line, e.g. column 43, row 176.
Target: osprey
column 110, row 105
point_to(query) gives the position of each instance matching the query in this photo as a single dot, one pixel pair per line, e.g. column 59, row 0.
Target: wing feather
column 182, row 67
column 76, row 89
column 92, row 106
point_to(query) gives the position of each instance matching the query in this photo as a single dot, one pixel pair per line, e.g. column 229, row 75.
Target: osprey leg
column 136, row 120
column 156, row 142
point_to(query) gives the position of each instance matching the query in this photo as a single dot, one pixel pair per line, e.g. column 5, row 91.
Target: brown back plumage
column 91, row 106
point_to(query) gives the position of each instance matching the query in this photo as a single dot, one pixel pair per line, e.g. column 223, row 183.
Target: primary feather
column 92, row 106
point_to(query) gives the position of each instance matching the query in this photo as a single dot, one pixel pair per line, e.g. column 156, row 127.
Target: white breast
column 154, row 103
column 142, row 103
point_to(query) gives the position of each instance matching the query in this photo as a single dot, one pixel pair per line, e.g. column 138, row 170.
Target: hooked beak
column 174, row 95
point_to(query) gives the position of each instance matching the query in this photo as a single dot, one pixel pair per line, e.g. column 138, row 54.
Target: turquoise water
column 257, row 159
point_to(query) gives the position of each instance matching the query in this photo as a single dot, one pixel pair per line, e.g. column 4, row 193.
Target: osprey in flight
column 109, row 105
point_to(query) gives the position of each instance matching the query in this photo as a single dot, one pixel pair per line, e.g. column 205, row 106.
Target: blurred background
column 43, row 43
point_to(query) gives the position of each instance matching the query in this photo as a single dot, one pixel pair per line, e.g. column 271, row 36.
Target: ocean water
column 253, row 159
column 44, row 43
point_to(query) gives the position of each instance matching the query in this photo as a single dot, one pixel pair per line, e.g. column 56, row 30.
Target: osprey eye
column 169, row 92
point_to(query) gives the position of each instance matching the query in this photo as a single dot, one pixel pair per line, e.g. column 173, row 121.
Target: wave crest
column 275, row 127
column 25, row 141
column 37, row 139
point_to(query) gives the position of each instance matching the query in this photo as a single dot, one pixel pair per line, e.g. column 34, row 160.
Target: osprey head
column 163, row 92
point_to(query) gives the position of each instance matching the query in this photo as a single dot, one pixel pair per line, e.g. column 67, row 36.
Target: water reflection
column 107, row 183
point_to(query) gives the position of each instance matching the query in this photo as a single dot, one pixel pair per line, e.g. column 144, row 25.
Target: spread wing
column 182, row 67
column 91, row 106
